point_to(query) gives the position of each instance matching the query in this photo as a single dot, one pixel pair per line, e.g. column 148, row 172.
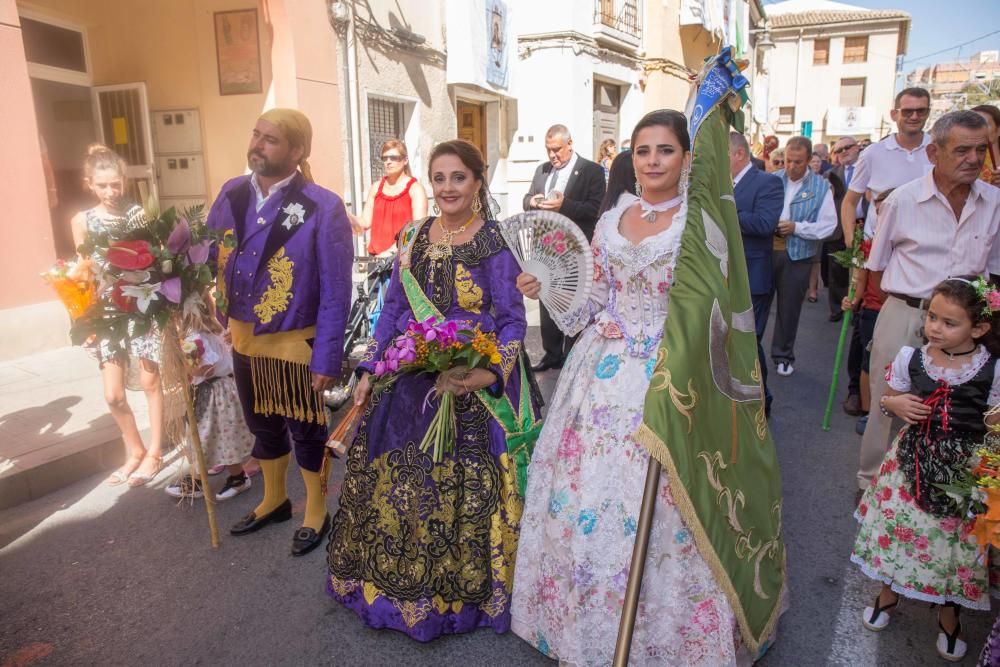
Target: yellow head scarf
column 297, row 129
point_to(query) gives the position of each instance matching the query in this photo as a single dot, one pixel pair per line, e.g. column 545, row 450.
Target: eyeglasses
column 392, row 158
column 838, row 151
column 917, row 113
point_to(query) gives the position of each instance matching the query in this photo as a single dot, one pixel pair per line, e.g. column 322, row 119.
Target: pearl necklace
column 649, row 211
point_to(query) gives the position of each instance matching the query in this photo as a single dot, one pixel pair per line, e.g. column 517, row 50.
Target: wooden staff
column 632, row 589
column 199, row 453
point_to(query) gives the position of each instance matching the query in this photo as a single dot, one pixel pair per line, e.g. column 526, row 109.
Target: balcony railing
column 620, row 15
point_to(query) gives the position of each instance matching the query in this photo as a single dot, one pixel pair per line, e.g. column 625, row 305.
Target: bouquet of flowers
column 74, row 285
column 443, row 348
column 855, row 255
column 976, row 492
column 150, row 265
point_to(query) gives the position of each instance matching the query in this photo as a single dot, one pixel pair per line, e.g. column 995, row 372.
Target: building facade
column 960, row 84
column 837, row 66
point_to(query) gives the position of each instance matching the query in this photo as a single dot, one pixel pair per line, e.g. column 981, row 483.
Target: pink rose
column 924, row 557
column 862, row 509
column 889, row 514
column 930, row 590
column 559, row 236
column 560, row 247
column 904, row 495
column 994, row 299
column 950, row 524
column 902, row 534
column 547, row 239
column 884, row 541
column 886, row 494
column 964, row 573
column 921, row 542
column 972, row 591
column 876, row 562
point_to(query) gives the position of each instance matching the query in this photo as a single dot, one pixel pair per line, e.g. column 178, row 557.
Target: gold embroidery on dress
column 370, row 350
column 470, row 295
column 276, row 297
column 496, row 605
column 508, row 357
column 343, row 587
column 413, row 612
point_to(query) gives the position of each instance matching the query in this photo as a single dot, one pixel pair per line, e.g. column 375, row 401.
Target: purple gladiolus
column 198, row 253
column 180, row 238
column 171, row 289
column 379, row 368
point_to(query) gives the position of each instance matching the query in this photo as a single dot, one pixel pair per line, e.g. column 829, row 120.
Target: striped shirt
column 918, row 243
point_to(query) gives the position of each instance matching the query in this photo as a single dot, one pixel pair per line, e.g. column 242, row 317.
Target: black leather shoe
column 251, row 523
column 307, row 539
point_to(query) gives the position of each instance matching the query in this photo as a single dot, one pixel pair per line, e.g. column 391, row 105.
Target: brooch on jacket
column 295, row 215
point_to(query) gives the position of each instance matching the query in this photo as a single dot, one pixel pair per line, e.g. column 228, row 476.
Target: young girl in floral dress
column 224, row 435
column 912, row 538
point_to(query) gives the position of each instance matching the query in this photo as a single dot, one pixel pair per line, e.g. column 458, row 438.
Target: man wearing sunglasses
column 899, row 158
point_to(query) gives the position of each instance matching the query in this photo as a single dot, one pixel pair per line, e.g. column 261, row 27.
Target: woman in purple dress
column 422, row 547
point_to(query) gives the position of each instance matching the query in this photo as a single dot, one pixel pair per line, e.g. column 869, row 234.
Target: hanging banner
column 481, row 43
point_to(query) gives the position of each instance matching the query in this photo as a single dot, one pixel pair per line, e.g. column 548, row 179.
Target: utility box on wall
column 180, row 162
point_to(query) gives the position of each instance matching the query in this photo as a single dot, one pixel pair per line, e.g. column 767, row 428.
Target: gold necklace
column 441, row 249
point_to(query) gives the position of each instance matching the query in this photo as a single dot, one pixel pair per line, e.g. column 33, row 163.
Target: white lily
column 144, row 294
column 296, row 215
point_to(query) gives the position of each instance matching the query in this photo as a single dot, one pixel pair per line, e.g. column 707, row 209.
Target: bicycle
column 365, row 311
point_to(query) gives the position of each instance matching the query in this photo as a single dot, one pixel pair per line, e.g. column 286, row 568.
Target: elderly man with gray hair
column 943, row 224
column 574, row 186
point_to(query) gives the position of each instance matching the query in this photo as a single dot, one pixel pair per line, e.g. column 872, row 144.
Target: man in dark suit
column 759, row 199
column 573, row 186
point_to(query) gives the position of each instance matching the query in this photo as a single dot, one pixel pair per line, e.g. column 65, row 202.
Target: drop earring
column 638, row 190
column 437, row 211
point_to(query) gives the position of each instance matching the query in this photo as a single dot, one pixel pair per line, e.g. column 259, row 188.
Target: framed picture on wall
column 237, row 50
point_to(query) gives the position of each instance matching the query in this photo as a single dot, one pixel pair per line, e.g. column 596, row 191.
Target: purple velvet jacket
column 291, row 265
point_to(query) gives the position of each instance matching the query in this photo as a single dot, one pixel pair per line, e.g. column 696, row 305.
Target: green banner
column 704, row 414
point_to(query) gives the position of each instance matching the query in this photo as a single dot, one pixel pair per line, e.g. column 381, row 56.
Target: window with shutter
column 856, row 49
column 852, row 92
column 821, row 52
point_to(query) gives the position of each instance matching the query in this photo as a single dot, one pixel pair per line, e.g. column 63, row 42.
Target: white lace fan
column 551, row 247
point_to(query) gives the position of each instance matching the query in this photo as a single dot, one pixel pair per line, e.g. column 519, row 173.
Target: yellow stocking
column 274, row 472
column 315, row 500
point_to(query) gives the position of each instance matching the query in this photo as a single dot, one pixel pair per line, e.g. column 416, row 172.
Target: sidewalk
column 55, row 427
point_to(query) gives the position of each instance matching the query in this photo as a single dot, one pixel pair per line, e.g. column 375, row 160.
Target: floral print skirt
column 921, row 556
column 585, row 487
column 224, row 435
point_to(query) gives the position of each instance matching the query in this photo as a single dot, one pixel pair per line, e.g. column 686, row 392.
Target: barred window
column 385, row 122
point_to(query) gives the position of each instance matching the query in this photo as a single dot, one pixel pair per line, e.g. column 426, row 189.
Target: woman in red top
column 393, row 201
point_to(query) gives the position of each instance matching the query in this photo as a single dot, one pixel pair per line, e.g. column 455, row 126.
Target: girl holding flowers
column 430, row 507
column 914, row 538
column 104, row 174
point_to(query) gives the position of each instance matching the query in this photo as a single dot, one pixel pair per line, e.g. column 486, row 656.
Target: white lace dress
column 586, row 479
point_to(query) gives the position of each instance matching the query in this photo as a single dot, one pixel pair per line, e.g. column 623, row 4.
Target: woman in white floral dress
column 586, row 478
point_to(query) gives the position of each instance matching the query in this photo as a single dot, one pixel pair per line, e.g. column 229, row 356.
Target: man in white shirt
column 809, row 216
column 897, row 159
column 943, row 224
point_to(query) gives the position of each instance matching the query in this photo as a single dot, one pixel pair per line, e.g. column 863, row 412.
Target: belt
column 911, row 301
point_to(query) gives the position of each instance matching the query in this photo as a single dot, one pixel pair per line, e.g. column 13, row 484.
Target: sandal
column 120, row 476
column 876, row 617
column 949, row 646
column 138, row 479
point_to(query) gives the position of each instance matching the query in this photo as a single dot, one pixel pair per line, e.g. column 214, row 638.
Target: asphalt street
column 93, row 575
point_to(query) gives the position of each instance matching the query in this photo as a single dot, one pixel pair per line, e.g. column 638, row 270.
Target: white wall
column 812, row 89
column 554, row 84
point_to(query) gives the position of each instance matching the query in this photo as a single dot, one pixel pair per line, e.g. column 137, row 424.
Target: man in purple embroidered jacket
column 284, row 267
